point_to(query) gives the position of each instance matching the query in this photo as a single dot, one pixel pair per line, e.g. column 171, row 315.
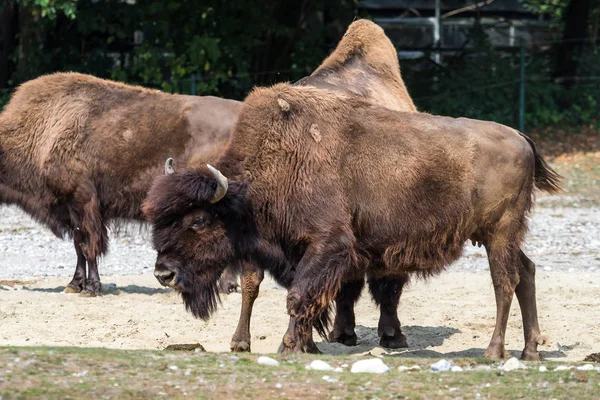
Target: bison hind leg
column 344, row 323
column 77, row 284
column 386, row 292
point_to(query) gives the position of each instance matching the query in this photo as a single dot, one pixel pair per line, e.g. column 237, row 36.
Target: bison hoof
column 241, row 346
column 343, row 338
column 528, row 355
column 92, row 290
column 495, row 354
column 229, row 287
column 398, row 341
column 72, row 289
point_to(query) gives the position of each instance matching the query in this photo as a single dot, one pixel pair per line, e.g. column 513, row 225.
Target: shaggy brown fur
column 383, row 192
column 77, row 152
column 364, row 63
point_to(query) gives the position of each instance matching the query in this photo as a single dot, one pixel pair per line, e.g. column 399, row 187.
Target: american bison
column 364, row 63
column 78, row 153
column 318, row 187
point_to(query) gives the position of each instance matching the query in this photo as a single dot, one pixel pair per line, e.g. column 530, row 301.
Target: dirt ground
column 448, row 316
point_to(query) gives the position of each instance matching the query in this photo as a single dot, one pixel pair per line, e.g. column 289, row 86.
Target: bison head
column 198, row 219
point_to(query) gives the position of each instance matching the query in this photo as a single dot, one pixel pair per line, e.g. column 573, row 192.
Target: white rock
column 327, row 378
column 586, row 367
column 278, row 385
column 441, row 366
column 483, row 368
column 173, row 367
column 563, row 367
column 319, row 365
column 402, row 368
column 414, row 368
column 338, row 369
column 512, row 364
column 373, row 365
column 264, row 360
column 542, row 368
column 456, row 368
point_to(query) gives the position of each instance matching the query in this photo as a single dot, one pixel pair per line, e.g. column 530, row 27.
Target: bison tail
column 546, row 179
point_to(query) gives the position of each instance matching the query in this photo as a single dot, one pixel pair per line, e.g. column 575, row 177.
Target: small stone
column 512, row 364
column 483, row 368
column 278, row 385
column 338, row 369
column 586, row 367
column 264, row 360
column 563, row 367
column 414, row 368
column 403, row 368
column 542, row 368
column 173, row 367
column 373, row 365
column 441, row 366
column 344, row 365
column 580, row 376
column 234, row 358
column 456, row 368
column 319, row 365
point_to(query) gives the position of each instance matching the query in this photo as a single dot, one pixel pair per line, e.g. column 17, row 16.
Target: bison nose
column 164, row 276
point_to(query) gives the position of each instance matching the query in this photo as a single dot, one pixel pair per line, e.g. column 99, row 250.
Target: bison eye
column 198, row 222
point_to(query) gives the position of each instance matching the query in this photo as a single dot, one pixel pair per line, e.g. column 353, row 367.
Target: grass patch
column 103, row 373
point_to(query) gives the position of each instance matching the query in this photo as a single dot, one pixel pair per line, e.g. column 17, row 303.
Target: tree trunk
column 575, row 33
column 8, row 15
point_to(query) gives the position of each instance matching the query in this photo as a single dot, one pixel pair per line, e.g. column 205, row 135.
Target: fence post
column 193, row 85
column 522, row 89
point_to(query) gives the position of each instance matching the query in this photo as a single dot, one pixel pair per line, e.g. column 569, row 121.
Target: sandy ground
column 451, row 315
column 448, row 316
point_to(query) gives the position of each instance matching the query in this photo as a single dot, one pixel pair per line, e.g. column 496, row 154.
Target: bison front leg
column 317, row 282
column 77, row 284
column 251, row 279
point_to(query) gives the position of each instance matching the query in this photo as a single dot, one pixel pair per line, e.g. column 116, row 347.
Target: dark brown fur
column 382, row 192
column 364, row 63
column 78, row 153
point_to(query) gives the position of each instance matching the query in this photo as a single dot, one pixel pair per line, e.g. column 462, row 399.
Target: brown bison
column 364, row 63
column 319, row 187
column 77, row 153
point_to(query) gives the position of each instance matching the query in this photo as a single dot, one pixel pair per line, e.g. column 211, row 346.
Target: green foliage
column 554, row 8
column 485, row 85
column 51, row 8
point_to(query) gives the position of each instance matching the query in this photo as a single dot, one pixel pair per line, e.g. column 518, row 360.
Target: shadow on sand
column 110, row 289
column 420, row 339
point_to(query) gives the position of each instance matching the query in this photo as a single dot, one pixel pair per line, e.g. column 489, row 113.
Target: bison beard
column 202, row 297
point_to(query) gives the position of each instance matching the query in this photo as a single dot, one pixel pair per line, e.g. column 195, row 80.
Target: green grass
column 60, row 373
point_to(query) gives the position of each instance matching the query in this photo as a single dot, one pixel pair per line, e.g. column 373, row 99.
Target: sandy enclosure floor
column 448, row 316
column 451, row 315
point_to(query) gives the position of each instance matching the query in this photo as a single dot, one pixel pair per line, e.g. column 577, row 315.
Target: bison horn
column 222, row 184
column 169, row 167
